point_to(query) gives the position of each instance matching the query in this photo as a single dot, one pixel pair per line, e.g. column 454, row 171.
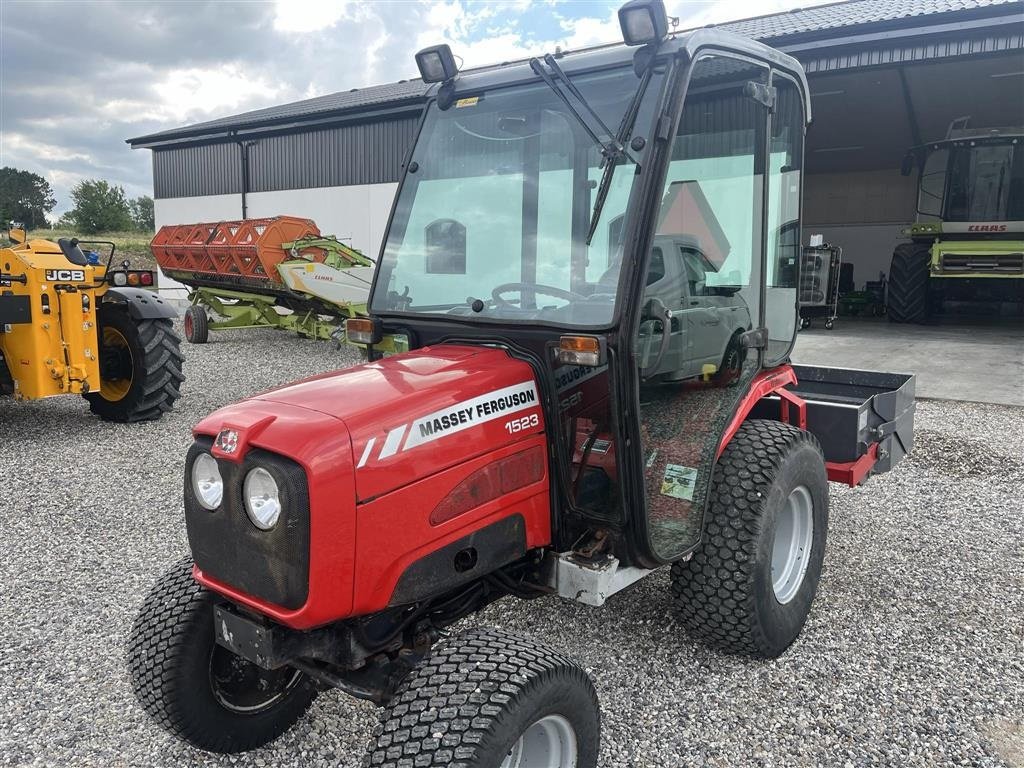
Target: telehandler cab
column 70, row 324
column 599, row 322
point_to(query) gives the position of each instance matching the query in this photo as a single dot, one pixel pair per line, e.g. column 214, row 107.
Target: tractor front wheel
column 198, row 690
column 140, row 368
column 749, row 586
column 487, row 699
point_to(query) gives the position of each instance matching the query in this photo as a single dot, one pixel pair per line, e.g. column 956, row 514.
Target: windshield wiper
column 609, row 146
column 613, row 148
column 625, row 129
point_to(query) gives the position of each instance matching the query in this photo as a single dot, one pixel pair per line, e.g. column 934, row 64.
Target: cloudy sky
column 77, row 78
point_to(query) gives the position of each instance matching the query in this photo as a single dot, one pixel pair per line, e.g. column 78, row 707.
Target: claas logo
column 66, row 275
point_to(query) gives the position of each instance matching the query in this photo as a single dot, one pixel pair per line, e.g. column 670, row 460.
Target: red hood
column 415, row 414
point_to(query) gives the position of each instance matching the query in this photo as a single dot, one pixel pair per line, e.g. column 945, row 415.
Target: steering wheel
column 546, row 290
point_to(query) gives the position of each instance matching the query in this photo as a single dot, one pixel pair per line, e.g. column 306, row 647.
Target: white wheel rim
column 791, row 549
column 548, row 743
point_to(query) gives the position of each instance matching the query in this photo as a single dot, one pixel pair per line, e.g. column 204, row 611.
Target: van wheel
column 198, row 690
column 749, row 586
column 487, row 699
column 732, row 362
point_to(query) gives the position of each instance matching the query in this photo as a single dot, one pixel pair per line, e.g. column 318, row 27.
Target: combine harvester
column 277, row 272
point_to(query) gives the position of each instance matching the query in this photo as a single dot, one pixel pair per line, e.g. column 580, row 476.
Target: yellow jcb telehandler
column 69, row 324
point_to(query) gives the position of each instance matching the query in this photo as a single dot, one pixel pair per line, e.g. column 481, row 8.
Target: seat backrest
column 72, row 252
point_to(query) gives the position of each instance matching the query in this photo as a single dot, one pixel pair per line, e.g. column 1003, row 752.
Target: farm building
column 884, row 76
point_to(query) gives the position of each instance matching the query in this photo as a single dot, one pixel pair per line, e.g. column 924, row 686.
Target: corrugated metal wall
column 211, row 169
column 365, row 153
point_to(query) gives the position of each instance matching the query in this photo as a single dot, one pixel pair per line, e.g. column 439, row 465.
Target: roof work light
column 643, row 21
column 436, row 64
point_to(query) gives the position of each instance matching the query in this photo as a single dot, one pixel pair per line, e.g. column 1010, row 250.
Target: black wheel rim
column 241, row 686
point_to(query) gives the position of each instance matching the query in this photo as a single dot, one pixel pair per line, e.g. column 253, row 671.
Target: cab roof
column 687, row 45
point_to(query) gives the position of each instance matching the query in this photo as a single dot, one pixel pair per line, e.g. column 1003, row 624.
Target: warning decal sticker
column 678, row 482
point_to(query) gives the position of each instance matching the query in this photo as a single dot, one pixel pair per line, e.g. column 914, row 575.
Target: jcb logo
column 68, row 275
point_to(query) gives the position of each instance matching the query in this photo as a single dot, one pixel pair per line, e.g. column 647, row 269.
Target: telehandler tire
column 140, row 368
column 197, row 325
column 485, row 699
column 906, row 293
column 749, row 586
column 196, row 689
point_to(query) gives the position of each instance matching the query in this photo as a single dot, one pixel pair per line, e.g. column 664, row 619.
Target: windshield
column 493, row 216
column 986, row 183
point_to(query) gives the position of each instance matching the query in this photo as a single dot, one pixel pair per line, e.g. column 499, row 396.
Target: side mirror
column 655, row 309
column 907, row 165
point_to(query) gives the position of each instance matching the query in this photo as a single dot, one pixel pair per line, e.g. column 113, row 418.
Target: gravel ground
column 913, row 655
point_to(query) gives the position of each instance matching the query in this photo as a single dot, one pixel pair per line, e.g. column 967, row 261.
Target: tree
column 142, row 213
column 99, row 207
column 25, row 198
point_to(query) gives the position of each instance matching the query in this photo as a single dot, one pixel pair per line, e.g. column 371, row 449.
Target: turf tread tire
column 906, row 295
column 172, row 621
column 458, row 706
column 157, row 370
column 717, row 592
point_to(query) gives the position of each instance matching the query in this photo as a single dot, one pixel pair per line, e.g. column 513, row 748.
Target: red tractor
column 593, row 259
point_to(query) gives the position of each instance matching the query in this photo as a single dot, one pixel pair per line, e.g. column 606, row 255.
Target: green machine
column 968, row 241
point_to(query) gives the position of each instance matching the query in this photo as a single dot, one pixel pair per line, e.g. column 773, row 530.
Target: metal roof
column 798, row 28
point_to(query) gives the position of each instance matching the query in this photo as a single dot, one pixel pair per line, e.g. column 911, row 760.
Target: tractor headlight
column 262, row 499
column 207, row 484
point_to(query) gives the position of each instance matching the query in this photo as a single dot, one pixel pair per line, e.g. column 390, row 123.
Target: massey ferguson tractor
column 566, row 228
column 968, row 241
column 71, row 324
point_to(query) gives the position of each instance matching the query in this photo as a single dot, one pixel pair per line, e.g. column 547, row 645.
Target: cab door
column 712, row 203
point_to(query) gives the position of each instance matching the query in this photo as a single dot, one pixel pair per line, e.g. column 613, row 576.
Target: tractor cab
column 619, row 220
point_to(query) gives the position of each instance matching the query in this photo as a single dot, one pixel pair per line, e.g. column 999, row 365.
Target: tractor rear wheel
column 197, row 325
column 487, row 699
column 749, row 586
column 906, row 294
column 140, row 368
column 198, row 690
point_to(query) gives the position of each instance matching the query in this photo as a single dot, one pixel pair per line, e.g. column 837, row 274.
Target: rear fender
column 138, row 303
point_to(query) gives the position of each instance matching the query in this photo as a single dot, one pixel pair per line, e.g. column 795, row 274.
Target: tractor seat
column 72, row 252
